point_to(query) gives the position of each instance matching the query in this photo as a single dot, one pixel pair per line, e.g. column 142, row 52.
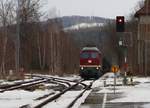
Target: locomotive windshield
column 88, row 55
column 94, row 55
column 84, row 55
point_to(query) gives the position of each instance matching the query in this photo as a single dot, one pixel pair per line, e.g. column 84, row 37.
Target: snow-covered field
column 64, row 101
column 17, row 98
column 129, row 93
column 136, row 93
column 84, row 25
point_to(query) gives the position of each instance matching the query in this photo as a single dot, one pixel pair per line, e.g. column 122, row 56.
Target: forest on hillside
column 43, row 45
column 40, row 46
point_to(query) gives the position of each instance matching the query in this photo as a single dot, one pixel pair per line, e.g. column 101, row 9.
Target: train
column 90, row 63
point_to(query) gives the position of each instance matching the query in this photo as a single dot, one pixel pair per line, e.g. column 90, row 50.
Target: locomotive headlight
column 89, row 61
column 97, row 68
column 82, row 68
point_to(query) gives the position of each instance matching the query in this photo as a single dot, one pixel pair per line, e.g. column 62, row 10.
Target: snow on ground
column 67, row 77
column 72, row 77
column 137, row 93
column 142, row 79
column 2, row 82
column 82, row 99
column 84, row 25
column 146, row 106
column 17, row 98
column 107, row 79
column 66, row 99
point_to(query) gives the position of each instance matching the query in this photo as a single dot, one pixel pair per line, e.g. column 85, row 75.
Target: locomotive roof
column 90, row 48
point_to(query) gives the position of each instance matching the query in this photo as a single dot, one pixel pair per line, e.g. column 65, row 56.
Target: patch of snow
column 146, row 106
column 84, row 25
column 7, row 82
column 15, row 81
column 138, row 93
column 67, row 77
column 66, row 99
column 17, row 98
column 134, row 95
column 82, row 99
column 72, row 77
column 97, row 83
column 142, row 79
column 87, row 82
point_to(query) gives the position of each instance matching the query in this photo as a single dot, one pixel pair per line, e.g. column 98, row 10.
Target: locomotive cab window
column 94, row 55
column 84, row 55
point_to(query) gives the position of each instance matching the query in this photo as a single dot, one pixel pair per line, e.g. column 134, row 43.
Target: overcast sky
column 102, row 8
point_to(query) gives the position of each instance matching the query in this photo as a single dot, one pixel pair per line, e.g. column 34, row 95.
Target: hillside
column 69, row 21
column 84, row 32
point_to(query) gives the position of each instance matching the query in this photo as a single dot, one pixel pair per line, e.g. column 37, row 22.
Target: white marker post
column 114, row 82
column 104, row 99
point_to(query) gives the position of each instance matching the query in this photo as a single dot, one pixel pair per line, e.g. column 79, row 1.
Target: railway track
column 56, row 96
column 5, row 86
column 88, row 87
column 70, row 85
column 64, row 86
column 22, row 85
column 58, row 79
column 25, row 84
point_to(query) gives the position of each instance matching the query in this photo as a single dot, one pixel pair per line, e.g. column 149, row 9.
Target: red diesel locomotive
column 90, row 63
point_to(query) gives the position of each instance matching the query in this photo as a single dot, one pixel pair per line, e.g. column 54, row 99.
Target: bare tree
column 6, row 19
column 29, row 13
column 41, row 45
column 30, row 10
column 139, row 5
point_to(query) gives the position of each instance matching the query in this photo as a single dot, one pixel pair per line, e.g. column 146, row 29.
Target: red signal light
column 120, row 20
column 120, row 24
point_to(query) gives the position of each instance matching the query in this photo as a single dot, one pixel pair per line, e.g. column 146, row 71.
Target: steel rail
column 51, row 80
column 88, row 87
column 56, row 96
column 18, row 83
column 24, row 85
column 59, row 79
